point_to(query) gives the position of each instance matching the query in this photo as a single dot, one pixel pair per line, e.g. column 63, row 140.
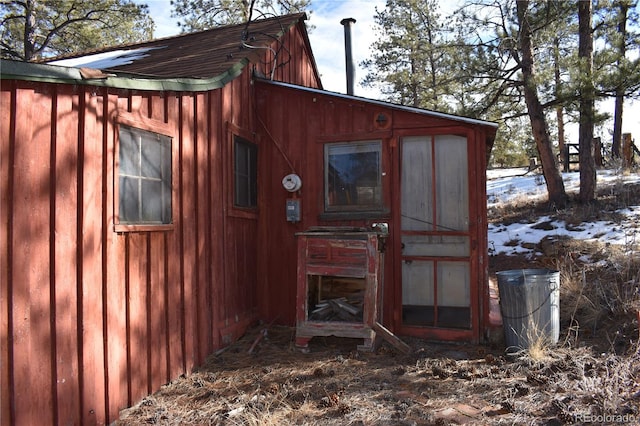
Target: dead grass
column 436, row 384
column 593, row 372
column 539, row 349
column 600, row 290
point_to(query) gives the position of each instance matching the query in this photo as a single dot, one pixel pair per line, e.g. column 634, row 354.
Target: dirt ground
column 576, row 382
column 592, row 376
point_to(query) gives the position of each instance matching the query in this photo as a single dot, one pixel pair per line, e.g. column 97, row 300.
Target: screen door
column 435, row 232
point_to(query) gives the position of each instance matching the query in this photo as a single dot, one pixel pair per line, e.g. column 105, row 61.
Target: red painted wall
column 298, row 123
column 92, row 320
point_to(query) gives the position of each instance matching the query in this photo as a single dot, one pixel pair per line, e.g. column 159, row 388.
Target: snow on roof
column 106, row 60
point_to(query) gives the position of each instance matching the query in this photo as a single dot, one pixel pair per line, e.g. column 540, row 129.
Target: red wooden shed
column 144, row 222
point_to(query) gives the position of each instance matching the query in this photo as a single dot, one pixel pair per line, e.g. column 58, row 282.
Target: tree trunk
column 559, row 108
column 617, row 125
column 246, row 10
column 617, row 115
column 587, row 96
column 552, row 176
column 29, row 31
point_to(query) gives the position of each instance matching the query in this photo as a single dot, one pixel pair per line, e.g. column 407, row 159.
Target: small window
column 352, row 178
column 245, row 173
column 144, row 177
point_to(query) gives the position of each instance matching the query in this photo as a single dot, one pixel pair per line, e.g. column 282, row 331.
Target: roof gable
column 204, row 54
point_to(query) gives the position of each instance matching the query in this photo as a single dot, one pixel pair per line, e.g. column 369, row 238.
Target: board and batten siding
column 299, row 122
column 92, row 320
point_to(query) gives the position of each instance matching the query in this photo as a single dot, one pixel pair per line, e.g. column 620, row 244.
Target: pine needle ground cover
column 591, row 376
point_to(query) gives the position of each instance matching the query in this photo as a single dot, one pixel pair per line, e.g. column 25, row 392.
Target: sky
column 327, row 42
column 504, row 186
column 327, row 38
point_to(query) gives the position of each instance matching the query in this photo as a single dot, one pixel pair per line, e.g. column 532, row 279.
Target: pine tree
column 535, row 110
column 466, row 67
column 205, row 14
column 617, row 61
column 33, row 29
column 410, row 55
column 587, row 101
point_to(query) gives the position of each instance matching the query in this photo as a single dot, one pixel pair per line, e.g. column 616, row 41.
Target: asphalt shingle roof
column 203, row 54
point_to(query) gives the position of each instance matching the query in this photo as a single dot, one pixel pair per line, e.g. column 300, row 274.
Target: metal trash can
column 530, row 306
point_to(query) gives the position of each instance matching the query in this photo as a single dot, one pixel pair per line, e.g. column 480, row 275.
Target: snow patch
column 106, row 60
column 504, row 186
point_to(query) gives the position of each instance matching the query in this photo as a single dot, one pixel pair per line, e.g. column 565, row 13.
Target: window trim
column 138, row 121
column 251, row 148
column 229, row 167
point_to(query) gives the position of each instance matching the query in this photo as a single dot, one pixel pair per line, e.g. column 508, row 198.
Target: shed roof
column 415, row 110
column 203, row 54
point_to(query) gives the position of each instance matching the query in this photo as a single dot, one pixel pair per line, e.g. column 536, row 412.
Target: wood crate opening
column 335, row 298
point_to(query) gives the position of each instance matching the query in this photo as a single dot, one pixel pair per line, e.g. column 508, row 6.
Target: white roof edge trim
column 382, row 103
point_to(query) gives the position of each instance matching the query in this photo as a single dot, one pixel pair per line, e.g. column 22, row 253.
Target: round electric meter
column 292, row 182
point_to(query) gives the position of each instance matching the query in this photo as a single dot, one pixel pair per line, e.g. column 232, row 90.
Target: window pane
column 245, row 173
column 417, row 177
column 242, row 159
column 129, row 201
column 152, row 201
column 242, row 194
column 151, row 162
column 454, row 295
column 452, row 187
column 252, row 186
column 144, row 177
column 352, row 176
column 166, row 201
column 166, row 159
column 129, row 152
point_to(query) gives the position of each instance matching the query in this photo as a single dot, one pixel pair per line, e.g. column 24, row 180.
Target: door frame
column 477, row 260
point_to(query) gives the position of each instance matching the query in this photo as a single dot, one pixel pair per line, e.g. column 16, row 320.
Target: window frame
column 233, row 130
column 137, row 121
column 371, row 210
column 251, row 187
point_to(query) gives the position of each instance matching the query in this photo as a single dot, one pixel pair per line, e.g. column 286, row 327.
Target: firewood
column 343, row 304
column 338, row 309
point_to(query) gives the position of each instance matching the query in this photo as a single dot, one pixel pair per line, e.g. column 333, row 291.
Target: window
column 352, row 176
column 245, row 173
column 144, row 177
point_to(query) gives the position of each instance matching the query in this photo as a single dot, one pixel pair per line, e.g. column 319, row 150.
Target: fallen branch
column 261, row 335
